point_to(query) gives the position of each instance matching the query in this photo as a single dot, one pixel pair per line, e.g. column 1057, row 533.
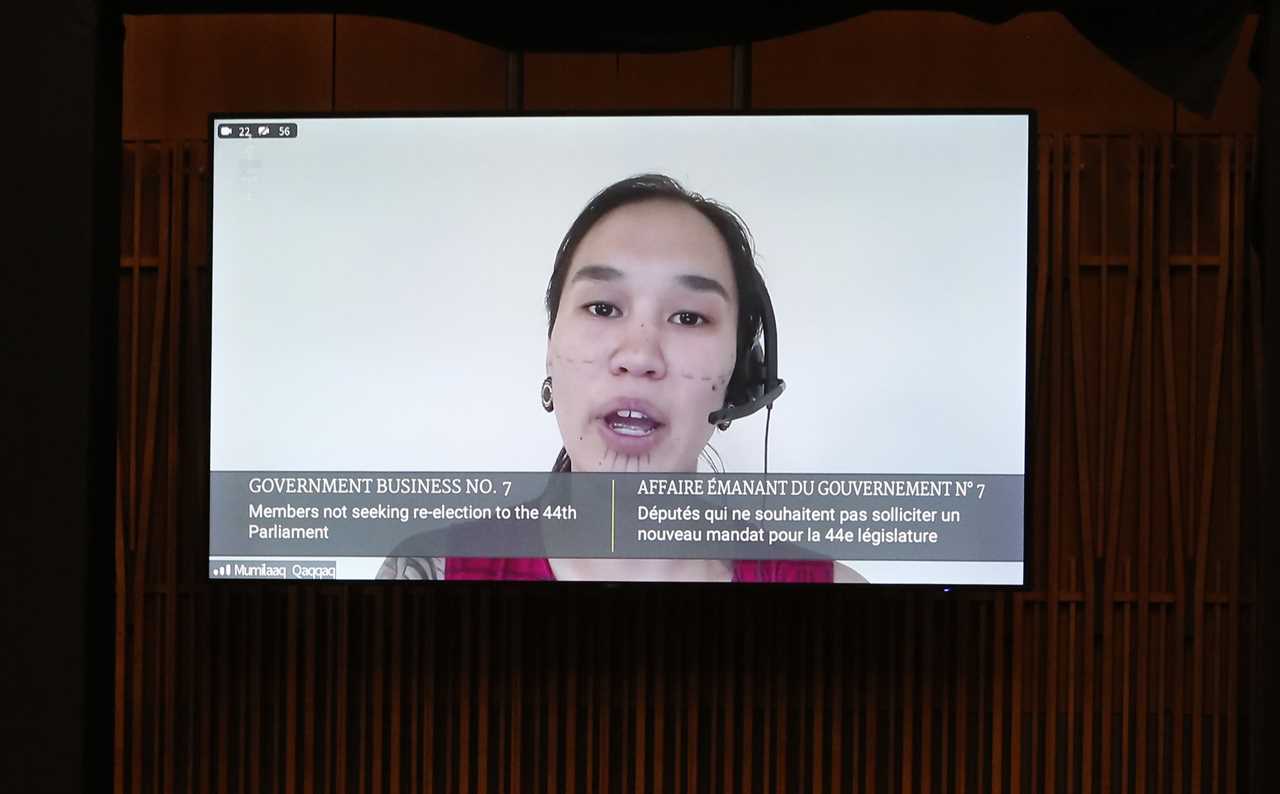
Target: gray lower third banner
column 638, row 516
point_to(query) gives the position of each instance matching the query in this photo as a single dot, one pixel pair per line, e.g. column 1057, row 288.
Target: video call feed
column 735, row 348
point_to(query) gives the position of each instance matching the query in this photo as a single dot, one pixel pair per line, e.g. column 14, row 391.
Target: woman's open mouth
column 631, row 430
column 631, row 423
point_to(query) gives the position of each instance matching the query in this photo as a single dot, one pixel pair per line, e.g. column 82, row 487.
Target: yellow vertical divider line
column 613, row 512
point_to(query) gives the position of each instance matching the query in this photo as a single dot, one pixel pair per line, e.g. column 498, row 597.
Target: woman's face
column 644, row 339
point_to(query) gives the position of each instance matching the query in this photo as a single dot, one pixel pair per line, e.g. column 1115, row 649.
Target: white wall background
column 378, row 286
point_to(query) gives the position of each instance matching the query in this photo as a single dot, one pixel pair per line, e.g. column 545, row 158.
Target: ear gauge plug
column 548, row 404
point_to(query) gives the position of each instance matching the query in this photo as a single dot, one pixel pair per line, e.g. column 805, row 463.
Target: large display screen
column 715, row 348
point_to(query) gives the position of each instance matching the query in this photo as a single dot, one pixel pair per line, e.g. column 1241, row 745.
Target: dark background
column 1134, row 662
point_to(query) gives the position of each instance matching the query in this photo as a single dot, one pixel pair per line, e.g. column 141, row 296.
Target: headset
column 754, row 383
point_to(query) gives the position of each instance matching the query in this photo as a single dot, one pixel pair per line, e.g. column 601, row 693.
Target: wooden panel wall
column 1128, row 667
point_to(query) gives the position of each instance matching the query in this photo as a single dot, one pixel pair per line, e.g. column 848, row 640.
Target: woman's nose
column 639, row 352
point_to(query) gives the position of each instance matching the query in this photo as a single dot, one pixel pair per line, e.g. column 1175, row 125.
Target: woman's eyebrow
column 596, row 273
column 703, row 284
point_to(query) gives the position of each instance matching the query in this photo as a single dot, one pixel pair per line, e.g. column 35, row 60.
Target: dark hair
column 733, row 230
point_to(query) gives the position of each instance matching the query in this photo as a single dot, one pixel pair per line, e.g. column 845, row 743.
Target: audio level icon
column 222, row 570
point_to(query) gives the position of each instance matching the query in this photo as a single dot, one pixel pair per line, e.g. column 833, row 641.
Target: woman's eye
column 602, row 309
column 688, row 318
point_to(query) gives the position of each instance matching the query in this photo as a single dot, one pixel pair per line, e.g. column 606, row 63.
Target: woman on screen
column 653, row 301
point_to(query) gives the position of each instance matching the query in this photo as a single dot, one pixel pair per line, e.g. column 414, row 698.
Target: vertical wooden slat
column 1216, row 634
column 1110, row 528
column 186, row 564
column 1193, row 323
column 1260, row 420
column 1047, row 172
column 1073, row 616
column 1172, row 421
column 1074, row 286
column 858, row 678
column 202, row 600
column 730, row 672
column 604, row 722
column 1159, row 650
column 640, row 705
column 679, row 694
column 172, row 242
column 121, row 683
column 1073, row 283
column 463, row 694
column 291, row 621
column 1226, row 275
column 839, row 663
column 484, row 666
column 373, row 740
column 143, row 511
column 950, row 660
column 589, row 738
column 223, row 769
column 413, row 711
column 193, row 747
column 157, row 444
column 1103, row 401
column 364, row 758
column 341, row 693
column 429, row 706
column 1234, row 519
column 990, row 690
column 135, row 349
column 661, row 671
column 766, row 728
column 1016, row 718
column 573, row 653
column 1140, row 248
column 1172, row 435
column 1128, row 667
column 1146, row 431
column 817, row 710
column 515, row 758
column 1066, row 186
column 873, row 643
column 780, row 719
column 323, row 646
column 925, row 743
column 620, row 699
column 249, row 725
column 156, row 652
column 693, row 748
column 746, row 767
column 1033, row 693
column 718, row 676
column 396, row 694
column 1206, row 502
column 502, row 728
column 966, row 632
column 557, row 671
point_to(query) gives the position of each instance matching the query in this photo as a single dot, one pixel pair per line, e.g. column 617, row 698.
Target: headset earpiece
column 753, row 382
column 750, row 388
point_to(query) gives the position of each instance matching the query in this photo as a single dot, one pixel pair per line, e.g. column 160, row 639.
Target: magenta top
column 535, row 569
